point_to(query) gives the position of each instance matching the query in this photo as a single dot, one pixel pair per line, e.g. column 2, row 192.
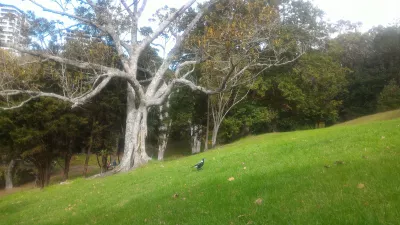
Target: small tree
column 389, row 98
column 36, row 135
column 241, row 39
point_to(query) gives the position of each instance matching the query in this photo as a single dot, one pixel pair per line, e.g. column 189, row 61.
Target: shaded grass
column 79, row 160
column 389, row 115
column 286, row 170
column 76, row 168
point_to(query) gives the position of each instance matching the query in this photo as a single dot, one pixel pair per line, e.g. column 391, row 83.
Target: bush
column 389, row 98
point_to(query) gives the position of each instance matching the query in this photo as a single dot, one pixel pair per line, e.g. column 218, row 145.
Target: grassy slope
column 389, row 115
column 285, row 170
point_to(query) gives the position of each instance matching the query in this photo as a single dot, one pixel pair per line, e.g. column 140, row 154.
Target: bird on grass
column 199, row 165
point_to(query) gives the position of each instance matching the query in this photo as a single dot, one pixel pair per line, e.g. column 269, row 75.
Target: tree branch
column 87, row 21
column 78, row 64
column 141, row 9
column 77, row 101
column 164, row 25
column 163, row 68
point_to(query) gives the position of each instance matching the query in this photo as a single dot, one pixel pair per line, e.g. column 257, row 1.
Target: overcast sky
column 369, row 12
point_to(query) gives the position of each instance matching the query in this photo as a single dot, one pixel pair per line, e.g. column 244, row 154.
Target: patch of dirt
column 23, row 187
column 56, row 177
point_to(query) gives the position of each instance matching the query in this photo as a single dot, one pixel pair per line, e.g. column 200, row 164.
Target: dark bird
column 199, row 165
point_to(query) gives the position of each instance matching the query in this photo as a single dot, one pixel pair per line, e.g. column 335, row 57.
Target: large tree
column 252, row 36
column 117, row 23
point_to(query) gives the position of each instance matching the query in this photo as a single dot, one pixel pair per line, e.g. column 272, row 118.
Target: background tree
column 188, row 116
column 68, row 139
column 7, row 149
column 389, row 98
column 241, row 39
column 372, row 58
column 312, row 87
column 34, row 135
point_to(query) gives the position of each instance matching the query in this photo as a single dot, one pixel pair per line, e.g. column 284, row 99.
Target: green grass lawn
column 76, row 168
column 280, row 178
column 389, row 115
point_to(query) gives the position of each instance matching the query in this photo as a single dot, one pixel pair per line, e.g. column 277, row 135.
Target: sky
column 369, row 12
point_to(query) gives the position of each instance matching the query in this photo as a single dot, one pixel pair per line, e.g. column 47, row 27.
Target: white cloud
column 369, row 12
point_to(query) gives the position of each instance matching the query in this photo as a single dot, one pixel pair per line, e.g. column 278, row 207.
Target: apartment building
column 79, row 35
column 12, row 25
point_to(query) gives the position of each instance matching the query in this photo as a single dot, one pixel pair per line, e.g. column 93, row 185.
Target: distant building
column 79, row 35
column 12, row 25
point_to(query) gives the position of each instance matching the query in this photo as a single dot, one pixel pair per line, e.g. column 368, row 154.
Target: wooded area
column 235, row 68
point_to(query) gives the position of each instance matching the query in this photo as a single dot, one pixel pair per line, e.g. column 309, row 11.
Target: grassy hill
column 337, row 175
column 389, row 115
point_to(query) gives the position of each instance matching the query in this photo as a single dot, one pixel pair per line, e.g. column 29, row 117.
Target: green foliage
column 186, row 108
column 313, row 85
column 302, row 94
column 247, row 119
column 373, row 58
column 106, row 116
column 22, row 175
column 41, row 131
column 301, row 19
column 389, row 98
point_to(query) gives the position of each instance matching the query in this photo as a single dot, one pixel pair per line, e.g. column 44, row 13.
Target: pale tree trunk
column 208, row 124
column 215, row 134
column 162, row 144
column 164, row 129
column 195, row 133
column 135, row 134
column 8, row 175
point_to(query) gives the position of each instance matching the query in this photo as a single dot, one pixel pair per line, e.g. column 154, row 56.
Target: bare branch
column 182, row 65
column 18, row 106
column 141, row 9
column 279, row 63
column 235, row 102
column 163, row 68
column 128, row 9
column 96, row 89
column 78, row 64
column 164, row 25
column 84, row 98
column 84, row 20
column 106, row 29
column 33, row 94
